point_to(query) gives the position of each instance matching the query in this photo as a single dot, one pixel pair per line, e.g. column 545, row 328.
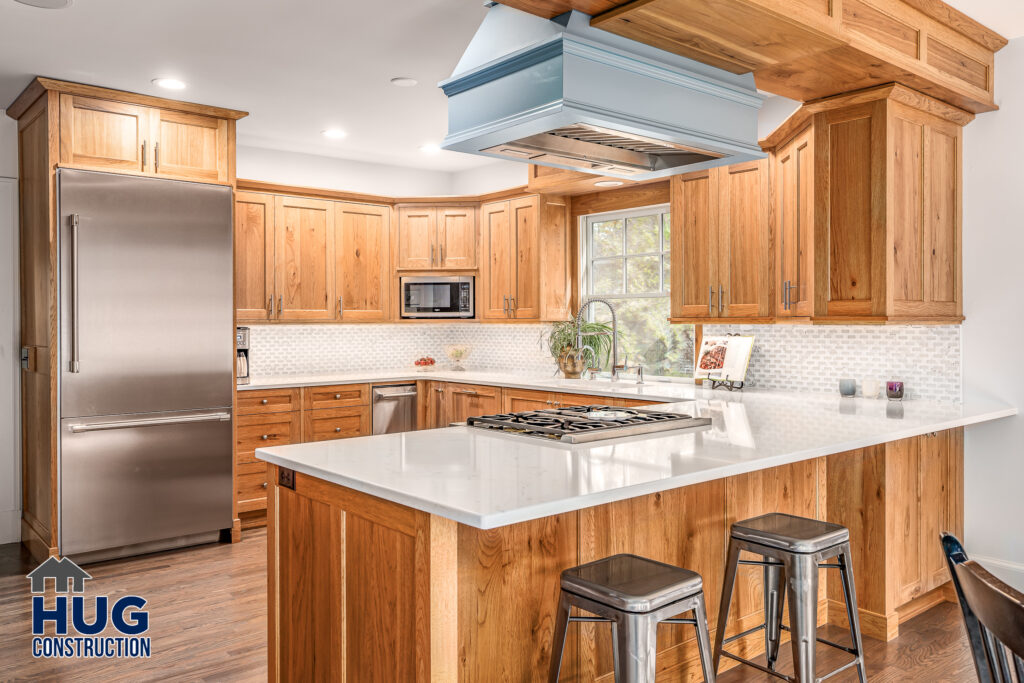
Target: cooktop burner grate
column 580, row 424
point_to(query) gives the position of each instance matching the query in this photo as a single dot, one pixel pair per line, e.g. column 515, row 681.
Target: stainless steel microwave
column 431, row 296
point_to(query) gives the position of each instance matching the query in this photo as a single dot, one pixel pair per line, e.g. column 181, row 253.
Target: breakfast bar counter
column 435, row 555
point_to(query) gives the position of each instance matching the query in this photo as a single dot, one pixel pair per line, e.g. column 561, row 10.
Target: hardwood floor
column 208, row 622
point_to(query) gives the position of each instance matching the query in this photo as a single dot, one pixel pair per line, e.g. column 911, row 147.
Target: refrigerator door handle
column 152, row 422
column 74, row 364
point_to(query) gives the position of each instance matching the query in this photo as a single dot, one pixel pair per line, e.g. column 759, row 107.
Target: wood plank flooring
column 208, row 622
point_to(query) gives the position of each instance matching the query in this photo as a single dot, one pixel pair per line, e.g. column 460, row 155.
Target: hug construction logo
column 85, row 639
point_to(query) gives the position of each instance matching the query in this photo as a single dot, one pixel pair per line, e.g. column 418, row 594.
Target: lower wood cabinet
column 259, row 431
column 517, row 400
column 335, row 423
column 464, row 401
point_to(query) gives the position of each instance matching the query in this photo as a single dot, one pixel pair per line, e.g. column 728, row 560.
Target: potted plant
column 573, row 358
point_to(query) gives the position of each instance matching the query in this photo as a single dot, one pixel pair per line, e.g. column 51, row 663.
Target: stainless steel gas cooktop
column 580, row 424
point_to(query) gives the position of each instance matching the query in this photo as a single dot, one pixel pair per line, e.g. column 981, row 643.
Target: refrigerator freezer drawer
column 133, row 479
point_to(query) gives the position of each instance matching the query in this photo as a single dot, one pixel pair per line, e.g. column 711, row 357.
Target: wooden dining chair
column 993, row 615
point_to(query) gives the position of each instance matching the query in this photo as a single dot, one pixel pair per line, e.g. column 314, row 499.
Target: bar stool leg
column 700, row 615
column 558, row 642
column 774, row 600
column 731, row 564
column 636, row 642
column 850, row 594
column 802, row 586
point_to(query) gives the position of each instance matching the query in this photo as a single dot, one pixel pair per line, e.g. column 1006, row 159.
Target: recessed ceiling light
column 333, row 133
column 430, row 148
column 169, row 83
column 47, row 4
column 608, row 183
column 404, row 81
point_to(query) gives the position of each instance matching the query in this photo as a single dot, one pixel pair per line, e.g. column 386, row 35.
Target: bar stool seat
column 791, row 533
column 634, row 594
column 631, row 583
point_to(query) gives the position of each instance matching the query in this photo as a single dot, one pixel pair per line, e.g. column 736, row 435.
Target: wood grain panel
column 956, row 63
column 417, row 238
column 304, row 252
column 518, row 400
column 556, row 281
column 264, row 431
column 903, row 517
column 103, row 135
column 694, row 219
column 255, row 401
column 189, row 146
column 908, row 265
column 335, row 396
column 876, row 25
column 524, row 215
column 941, row 240
column 744, row 236
column 508, row 593
column 794, row 220
column 849, row 229
column 254, row 256
column 498, row 247
column 335, row 423
column 362, row 238
column 464, row 401
column 457, row 237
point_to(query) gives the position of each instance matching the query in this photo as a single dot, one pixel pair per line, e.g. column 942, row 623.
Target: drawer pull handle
column 265, row 437
column 337, row 429
column 264, row 484
column 337, row 397
column 263, row 402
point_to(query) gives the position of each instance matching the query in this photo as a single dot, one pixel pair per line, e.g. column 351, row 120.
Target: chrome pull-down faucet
column 615, row 332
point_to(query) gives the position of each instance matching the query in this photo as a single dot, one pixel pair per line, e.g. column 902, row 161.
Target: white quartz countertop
column 488, row 479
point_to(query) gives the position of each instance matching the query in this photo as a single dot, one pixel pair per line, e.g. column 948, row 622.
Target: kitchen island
column 434, row 555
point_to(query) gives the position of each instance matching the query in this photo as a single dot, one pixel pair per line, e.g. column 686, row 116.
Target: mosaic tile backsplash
column 788, row 357
column 814, row 358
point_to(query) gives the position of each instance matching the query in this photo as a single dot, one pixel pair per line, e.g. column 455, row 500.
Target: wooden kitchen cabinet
column 520, row 400
column 254, row 256
column 362, row 238
column 264, row 417
column 433, row 410
column 463, row 401
column 337, row 396
column 436, row 238
column 868, row 208
column 526, row 273
column 110, row 135
column 304, row 259
column 721, row 237
column 335, row 423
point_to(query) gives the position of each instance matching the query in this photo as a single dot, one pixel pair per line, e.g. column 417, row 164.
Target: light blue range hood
column 561, row 93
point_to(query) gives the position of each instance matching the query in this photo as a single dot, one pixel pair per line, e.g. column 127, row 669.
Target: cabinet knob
column 263, row 402
column 264, row 484
column 265, row 437
column 337, row 429
column 337, row 397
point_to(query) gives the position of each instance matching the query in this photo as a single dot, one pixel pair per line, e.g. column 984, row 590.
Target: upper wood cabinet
column 436, row 238
column 304, row 257
column 721, row 239
column 525, row 274
column 254, row 256
column 362, row 265
column 116, row 136
column 882, row 171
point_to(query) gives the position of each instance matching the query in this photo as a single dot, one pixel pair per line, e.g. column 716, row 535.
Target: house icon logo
column 63, row 572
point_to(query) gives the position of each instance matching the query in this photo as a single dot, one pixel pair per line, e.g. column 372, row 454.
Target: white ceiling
column 297, row 66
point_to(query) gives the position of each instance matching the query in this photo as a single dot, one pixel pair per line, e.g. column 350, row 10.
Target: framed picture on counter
column 724, row 358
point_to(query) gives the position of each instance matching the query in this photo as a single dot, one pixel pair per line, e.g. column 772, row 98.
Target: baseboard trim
column 1010, row 572
column 10, row 526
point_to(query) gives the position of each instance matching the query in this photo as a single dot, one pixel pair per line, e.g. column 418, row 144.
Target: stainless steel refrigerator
column 147, row 363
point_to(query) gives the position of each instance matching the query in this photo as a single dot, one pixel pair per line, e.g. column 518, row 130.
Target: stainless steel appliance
column 581, row 424
column 242, row 355
column 394, row 408
column 147, row 374
column 433, row 296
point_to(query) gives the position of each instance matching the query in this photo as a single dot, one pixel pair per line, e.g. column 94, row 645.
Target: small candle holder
column 894, row 390
column 847, row 387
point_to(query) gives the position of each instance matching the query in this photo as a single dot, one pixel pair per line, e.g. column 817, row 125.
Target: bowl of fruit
column 425, row 364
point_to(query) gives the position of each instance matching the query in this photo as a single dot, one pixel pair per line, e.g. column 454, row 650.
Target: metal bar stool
column 634, row 594
column 792, row 550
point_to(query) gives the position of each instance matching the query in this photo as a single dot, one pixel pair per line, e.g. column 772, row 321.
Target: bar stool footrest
column 823, row 641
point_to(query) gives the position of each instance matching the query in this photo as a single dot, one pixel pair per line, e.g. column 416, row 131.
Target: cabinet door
column 189, row 146
column 525, row 217
column 569, row 400
column 254, row 256
column 470, row 400
column 102, row 135
column 694, row 244
column 794, row 221
column 259, row 431
column 743, row 240
column 497, row 275
column 456, row 237
column 436, row 409
column 417, row 238
column 335, row 423
column 362, row 271
column 304, row 254
column 519, row 400
column 941, row 500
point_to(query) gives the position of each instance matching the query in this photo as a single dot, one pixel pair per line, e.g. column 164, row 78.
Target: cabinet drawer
column 251, row 484
column 259, row 431
column 267, row 401
column 336, row 423
column 339, row 396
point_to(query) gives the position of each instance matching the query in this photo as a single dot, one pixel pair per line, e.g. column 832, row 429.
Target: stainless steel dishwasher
column 394, row 408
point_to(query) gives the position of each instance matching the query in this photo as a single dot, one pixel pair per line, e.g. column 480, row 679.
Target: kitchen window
column 625, row 259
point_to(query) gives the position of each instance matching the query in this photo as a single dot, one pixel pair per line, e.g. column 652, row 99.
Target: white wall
column 10, row 462
column 993, row 332
column 500, row 175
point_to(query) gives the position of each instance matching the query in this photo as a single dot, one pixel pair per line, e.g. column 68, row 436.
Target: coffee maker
column 241, row 355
